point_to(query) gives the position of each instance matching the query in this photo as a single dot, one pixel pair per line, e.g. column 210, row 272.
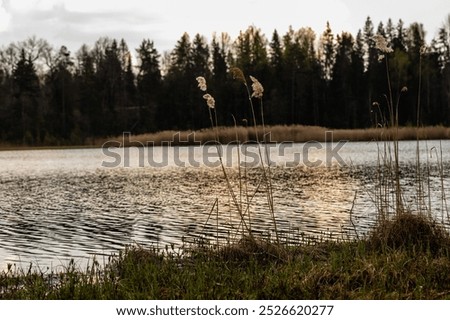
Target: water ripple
column 51, row 211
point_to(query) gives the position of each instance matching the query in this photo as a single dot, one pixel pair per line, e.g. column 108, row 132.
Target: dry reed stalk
column 258, row 91
column 214, row 125
column 381, row 45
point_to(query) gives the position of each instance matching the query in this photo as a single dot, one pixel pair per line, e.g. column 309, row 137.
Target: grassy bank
column 406, row 258
column 281, row 133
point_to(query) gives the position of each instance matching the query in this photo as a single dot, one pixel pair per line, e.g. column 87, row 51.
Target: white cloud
column 203, row 16
column 5, row 18
column 76, row 22
column 31, row 5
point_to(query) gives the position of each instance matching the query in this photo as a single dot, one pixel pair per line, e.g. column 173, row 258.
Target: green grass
column 378, row 267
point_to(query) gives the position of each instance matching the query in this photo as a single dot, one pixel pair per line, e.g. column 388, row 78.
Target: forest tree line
column 52, row 96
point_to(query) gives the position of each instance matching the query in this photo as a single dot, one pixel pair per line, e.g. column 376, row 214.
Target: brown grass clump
column 411, row 232
column 250, row 248
column 279, row 133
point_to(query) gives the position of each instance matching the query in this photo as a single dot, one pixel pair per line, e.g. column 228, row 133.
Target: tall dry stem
column 384, row 49
column 214, row 125
column 266, row 178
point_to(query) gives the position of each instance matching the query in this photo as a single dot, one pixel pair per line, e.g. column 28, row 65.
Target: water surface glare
column 62, row 204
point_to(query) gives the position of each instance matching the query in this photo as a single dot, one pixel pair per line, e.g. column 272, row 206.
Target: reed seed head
column 257, row 88
column 238, row 75
column 209, row 100
column 201, row 83
column 381, row 44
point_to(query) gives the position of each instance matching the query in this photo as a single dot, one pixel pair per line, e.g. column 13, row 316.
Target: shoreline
column 278, row 134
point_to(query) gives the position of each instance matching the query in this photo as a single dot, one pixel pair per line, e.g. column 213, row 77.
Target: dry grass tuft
column 411, row 232
column 251, row 248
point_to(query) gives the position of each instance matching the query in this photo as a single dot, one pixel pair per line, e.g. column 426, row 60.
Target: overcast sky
column 72, row 23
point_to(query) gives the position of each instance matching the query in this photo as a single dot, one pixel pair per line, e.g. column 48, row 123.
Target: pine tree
column 181, row 57
column 278, row 103
column 375, row 76
column 220, row 83
column 89, row 103
column 200, row 56
column 26, row 115
column 148, row 85
column 179, row 88
column 343, row 98
column 219, row 60
column 59, row 119
column 251, row 51
column 327, row 52
column 442, row 49
column 362, row 111
column 109, row 75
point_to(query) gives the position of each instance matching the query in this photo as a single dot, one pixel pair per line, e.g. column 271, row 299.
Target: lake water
column 77, row 203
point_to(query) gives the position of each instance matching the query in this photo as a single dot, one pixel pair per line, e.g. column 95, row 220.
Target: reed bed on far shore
column 278, row 134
